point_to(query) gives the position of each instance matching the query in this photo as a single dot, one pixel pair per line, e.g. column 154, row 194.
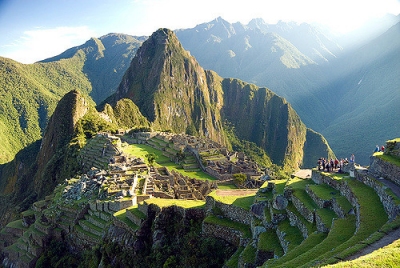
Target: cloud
column 38, row 44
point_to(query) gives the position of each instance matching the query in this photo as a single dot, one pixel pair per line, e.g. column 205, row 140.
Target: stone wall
column 381, row 168
column 321, row 203
column 309, row 215
column 393, row 148
column 230, row 211
column 230, row 235
column 344, row 189
column 295, row 221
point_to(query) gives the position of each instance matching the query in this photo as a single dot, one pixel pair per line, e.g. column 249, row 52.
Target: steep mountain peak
column 257, row 23
column 170, row 88
column 59, row 131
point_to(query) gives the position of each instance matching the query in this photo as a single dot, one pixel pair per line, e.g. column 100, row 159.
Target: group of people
column 379, row 149
column 333, row 164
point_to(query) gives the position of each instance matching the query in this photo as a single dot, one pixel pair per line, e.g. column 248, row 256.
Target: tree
column 239, row 178
column 151, row 158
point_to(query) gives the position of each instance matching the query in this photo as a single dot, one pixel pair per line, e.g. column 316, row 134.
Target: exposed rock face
column 58, row 134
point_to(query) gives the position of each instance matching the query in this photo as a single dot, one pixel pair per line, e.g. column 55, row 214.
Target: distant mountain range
column 338, row 86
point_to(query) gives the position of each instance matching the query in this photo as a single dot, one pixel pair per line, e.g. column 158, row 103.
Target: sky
column 33, row 30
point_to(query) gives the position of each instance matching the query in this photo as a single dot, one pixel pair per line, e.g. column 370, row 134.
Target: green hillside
column 29, row 94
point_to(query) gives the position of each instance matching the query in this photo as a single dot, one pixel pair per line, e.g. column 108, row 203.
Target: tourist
column 376, row 149
column 383, row 148
column 352, row 158
column 336, row 163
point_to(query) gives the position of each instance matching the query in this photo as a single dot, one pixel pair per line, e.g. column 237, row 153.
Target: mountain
column 368, row 82
column 29, row 92
column 38, row 168
column 105, row 61
column 173, row 92
column 308, row 39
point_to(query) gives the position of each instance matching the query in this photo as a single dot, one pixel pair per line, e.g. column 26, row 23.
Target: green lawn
column 175, row 202
column 141, row 150
column 239, row 200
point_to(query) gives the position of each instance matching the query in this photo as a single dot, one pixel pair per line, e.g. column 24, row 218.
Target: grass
column 16, row 225
column 268, row 241
column 387, row 256
column 121, row 215
column 310, row 226
column 342, row 230
column 141, row 150
column 227, row 186
column 233, row 261
column 326, row 215
column 249, row 254
column 293, row 234
column 309, row 243
column 388, row 158
column 243, row 228
column 135, row 211
column 372, row 218
column 302, row 195
column 344, row 203
column 175, row 202
column 323, row 191
column 240, row 201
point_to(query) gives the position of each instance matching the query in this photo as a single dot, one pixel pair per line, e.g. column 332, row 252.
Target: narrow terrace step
column 304, row 204
column 87, row 236
column 309, row 243
column 324, row 218
column 96, row 221
column 91, row 228
column 342, row 230
column 297, row 219
column 322, row 194
column 121, row 217
column 289, row 236
column 135, row 215
column 269, row 242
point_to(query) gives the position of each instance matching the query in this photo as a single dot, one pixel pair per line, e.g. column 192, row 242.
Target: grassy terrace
column 121, row 215
column 388, row 158
column 293, row 234
column 342, row 230
column 372, row 218
column 268, row 241
column 243, row 201
column 175, row 202
column 323, row 191
column 141, row 150
column 310, row 226
column 233, row 261
column 309, row 243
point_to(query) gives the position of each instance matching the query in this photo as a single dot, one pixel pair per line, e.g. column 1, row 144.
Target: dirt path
column 238, row 192
column 384, row 241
